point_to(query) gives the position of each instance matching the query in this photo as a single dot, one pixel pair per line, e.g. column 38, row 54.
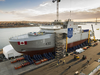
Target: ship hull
column 44, row 43
column 34, row 52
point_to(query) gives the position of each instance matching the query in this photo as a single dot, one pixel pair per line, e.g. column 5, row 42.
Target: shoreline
column 1, row 49
column 19, row 26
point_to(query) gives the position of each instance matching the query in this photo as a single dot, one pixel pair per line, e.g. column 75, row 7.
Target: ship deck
column 51, row 67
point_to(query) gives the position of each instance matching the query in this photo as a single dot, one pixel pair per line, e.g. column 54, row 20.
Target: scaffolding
column 60, row 46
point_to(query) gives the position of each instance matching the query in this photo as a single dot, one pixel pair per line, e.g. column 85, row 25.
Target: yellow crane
column 66, row 43
column 93, row 34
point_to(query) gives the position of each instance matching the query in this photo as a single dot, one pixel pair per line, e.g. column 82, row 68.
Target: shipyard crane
column 57, row 8
column 59, row 36
column 93, row 34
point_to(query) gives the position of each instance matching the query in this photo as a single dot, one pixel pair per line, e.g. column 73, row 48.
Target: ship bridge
column 60, row 28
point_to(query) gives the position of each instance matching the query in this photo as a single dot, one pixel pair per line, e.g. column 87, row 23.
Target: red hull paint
column 31, row 53
column 76, row 43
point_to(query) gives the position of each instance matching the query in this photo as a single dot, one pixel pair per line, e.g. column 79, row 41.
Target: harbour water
column 6, row 33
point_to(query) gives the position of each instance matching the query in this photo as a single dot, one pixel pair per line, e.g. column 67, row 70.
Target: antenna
column 57, row 8
column 96, row 21
column 70, row 14
column 70, row 9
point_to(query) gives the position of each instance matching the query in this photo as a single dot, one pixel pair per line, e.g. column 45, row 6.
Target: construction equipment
column 93, row 34
column 84, row 57
column 86, row 47
column 76, row 73
column 94, row 44
column 76, row 57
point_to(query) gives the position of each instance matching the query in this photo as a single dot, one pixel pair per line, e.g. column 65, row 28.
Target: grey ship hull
column 42, row 44
column 35, row 44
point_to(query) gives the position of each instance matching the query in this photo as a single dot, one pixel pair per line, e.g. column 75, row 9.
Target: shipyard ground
column 6, row 68
column 93, row 53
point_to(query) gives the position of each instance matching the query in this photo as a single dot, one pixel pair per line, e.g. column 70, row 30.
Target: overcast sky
column 45, row 10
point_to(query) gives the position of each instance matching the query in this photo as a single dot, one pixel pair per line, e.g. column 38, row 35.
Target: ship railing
column 19, row 37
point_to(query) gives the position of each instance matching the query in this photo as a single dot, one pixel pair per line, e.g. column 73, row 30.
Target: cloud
column 44, row 4
column 47, row 11
column 75, row 15
column 2, row 0
column 94, row 10
column 1, row 11
column 31, row 14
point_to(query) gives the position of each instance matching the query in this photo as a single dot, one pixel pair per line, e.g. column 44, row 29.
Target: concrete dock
column 92, row 53
column 51, row 67
column 6, row 68
column 90, row 67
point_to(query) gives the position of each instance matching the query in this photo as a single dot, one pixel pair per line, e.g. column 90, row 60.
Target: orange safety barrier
column 15, row 67
column 18, row 67
column 45, row 59
column 27, row 63
column 42, row 60
column 14, row 61
column 22, row 65
column 84, row 48
column 18, row 59
column 38, row 62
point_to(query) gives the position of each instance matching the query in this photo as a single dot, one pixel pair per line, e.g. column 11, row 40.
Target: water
column 6, row 33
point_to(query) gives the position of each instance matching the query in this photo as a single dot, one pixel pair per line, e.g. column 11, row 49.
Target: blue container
column 86, row 30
